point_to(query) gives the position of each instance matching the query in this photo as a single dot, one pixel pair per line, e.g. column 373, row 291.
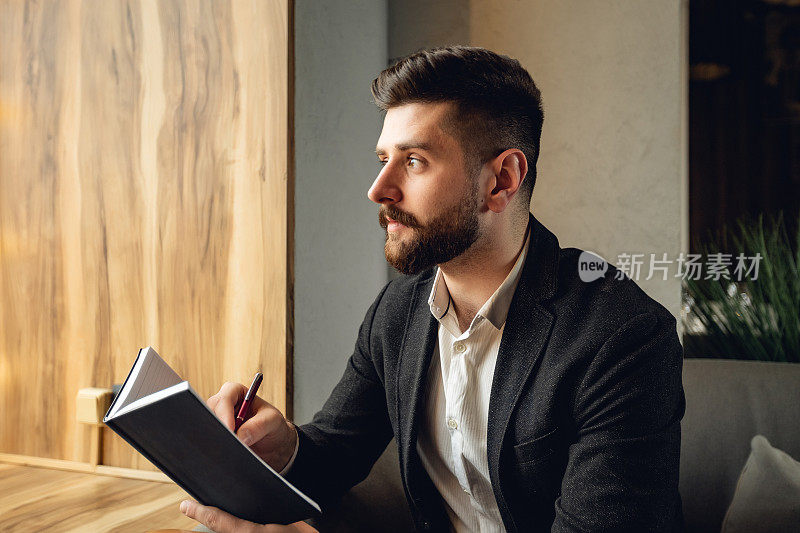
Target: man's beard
column 445, row 237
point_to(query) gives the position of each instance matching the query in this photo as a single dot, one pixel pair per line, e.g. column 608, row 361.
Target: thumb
column 211, row 517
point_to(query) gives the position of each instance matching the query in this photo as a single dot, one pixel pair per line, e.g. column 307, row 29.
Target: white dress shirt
column 452, row 435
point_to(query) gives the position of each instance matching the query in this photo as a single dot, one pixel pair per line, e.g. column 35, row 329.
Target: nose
column 386, row 189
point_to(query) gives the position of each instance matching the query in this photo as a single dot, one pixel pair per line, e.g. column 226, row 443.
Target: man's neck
column 474, row 276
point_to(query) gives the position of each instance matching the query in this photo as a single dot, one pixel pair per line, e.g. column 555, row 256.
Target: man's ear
column 509, row 170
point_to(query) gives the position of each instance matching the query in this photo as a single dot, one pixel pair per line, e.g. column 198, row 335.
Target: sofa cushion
column 727, row 402
column 767, row 495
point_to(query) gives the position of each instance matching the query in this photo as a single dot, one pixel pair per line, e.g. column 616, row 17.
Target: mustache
column 386, row 212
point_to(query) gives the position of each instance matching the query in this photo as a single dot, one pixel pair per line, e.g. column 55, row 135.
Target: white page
column 150, row 374
column 152, row 398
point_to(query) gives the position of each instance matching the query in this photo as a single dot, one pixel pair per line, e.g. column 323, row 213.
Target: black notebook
column 161, row 416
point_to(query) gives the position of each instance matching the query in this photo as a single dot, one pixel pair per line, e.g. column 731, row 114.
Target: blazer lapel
column 527, row 329
column 416, row 350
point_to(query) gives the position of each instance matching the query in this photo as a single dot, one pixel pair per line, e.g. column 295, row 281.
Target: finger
column 229, row 395
column 212, row 402
column 215, row 519
column 221, row 522
column 265, row 421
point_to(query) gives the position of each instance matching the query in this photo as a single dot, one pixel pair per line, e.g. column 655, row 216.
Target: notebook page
column 151, row 374
column 152, row 398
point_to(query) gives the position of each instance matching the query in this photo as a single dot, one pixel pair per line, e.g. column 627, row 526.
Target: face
column 429, row 200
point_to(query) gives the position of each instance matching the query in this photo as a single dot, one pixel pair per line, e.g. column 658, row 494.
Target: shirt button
column 451, row 423
column 460, row 347
column 466, row 491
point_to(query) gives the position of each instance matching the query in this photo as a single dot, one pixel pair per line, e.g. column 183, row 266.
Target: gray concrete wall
column 340, row 46
column 612, row 173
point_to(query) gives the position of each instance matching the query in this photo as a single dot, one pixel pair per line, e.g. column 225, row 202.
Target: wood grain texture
column 39, row 499
column 83, row 467
column 145, row 199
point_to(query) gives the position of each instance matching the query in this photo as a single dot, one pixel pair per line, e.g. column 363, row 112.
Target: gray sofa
column 727, row 403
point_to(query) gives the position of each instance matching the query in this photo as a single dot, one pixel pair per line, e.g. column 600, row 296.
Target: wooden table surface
column 41, row 499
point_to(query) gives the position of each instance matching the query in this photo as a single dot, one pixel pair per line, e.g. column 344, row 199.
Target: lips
column 393, row 225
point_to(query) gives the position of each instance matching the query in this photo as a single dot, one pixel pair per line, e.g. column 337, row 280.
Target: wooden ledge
column 75, row 466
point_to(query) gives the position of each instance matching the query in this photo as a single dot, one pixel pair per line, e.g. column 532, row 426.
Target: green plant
column 748, row 318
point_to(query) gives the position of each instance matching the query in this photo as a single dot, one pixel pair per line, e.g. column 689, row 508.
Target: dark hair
column 497, row 105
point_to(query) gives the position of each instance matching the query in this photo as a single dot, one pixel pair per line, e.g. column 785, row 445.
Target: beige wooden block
column 92, row 404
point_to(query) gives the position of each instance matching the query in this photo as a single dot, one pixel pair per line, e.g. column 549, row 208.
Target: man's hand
column 266, row 432
column 222, row 522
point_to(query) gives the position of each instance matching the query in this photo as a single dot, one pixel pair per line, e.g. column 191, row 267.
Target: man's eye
column 413, row 162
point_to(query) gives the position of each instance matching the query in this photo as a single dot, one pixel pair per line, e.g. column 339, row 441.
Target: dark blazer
column 584, row 414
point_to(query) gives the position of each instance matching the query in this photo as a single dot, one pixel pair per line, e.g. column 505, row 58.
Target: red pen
column 244, row 410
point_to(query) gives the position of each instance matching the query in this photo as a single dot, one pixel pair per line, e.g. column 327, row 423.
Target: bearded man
column 521, row 397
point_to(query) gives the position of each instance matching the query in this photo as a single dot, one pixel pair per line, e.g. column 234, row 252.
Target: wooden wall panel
column 145, row 199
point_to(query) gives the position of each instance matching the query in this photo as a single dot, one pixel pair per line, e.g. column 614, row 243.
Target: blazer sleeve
column 345, row 438
column 622, row 473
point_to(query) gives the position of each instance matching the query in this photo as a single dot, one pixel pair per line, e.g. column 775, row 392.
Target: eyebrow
column 404, row 147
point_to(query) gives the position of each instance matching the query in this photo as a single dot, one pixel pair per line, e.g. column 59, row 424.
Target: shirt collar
column 496, row 307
